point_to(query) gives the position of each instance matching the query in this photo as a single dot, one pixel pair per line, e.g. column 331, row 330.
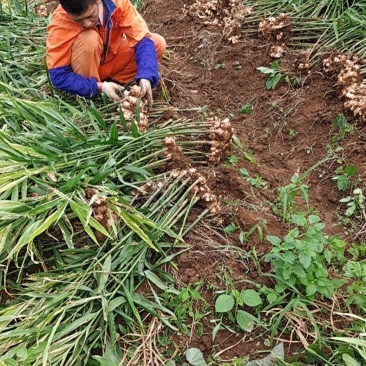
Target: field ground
column 296, row 153
column 289, row 130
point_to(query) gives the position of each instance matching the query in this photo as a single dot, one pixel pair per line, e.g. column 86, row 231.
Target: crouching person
column 93, row 46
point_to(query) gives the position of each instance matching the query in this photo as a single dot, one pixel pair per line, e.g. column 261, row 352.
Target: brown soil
column 288, row 130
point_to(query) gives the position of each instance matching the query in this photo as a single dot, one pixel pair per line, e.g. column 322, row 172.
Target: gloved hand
column 111, row 90
column 146, row 92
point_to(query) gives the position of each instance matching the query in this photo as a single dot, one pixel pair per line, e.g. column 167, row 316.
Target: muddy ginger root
column 277, row 51
column 195, row 183
column 356, row 100
column 149, row 188
column 227, row 14
column 346, row 70
column 100, row 211
column 276, row 31
column 207, row 198
column 128, row 107
column 304, row 66
column 171, row 147
column 175, row 154
column 135, row 91
column 220, row 136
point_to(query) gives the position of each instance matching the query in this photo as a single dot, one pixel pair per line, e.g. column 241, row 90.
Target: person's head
column 83, row 12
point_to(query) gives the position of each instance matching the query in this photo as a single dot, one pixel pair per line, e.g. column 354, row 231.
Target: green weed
column 233, row 159
column 343, row 177
column 341, row 124
column 355, row 203
column 292, row 133
column 241, row 149
column 256, row 182
column 300, row 258
column 273, row 73
column 245, row 108
column 228, row 304
column 275, row 76
column 244, row 236
column 189, row 308
column 287, row 197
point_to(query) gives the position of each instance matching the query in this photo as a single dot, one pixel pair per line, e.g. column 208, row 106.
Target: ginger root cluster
column 129, row 104
column 195, row 182
column 346, row 70
column 206, row 198
column 277, row 32
column 220, row 136
column 101, row 211
column 228, row 14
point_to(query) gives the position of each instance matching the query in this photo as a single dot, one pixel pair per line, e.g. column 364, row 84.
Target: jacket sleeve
column 64, row 79
column 146, row 60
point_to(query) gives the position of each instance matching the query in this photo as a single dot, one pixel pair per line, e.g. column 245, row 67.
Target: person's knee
column 160, row 44
column 87, row 43
column 86, row 54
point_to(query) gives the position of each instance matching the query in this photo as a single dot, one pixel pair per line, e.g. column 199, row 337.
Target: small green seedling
column 341, row 124
column 343, row 176
column 228, row 304
column 257, row 182
column 292, row 133
column 288, row 194
column 245, row 108
column 258, row 227
column 274, row 75
column 231, row 228
column 233, row 159
column 355, row 203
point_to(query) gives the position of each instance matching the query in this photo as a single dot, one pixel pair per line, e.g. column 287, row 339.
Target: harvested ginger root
column 101, row 211
column 347, row 71
column 226, row 14
column 277, row 31
column 220, row 136
column 128, row 107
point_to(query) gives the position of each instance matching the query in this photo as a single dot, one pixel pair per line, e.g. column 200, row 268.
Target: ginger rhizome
column 277, row 31
column 128, row 106
column 201, row 190
column 346, row 70
column 218, row 142
column 101, row 211
column 227, row 14
column 220, row 136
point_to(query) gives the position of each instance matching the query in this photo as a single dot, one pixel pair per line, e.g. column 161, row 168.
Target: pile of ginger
column 227, row 14
column 220, row 137
column 347, row 71
column 195, row 182
column 277, row 31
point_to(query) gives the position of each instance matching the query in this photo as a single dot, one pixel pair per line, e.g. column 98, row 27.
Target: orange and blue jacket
column 120, row 18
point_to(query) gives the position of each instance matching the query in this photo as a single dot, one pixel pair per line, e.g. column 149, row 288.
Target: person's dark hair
column 76, row 7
